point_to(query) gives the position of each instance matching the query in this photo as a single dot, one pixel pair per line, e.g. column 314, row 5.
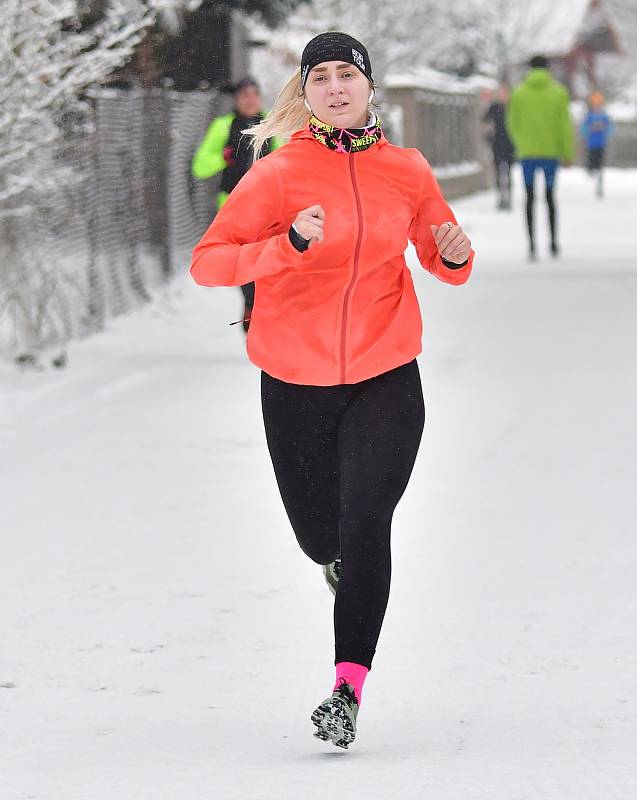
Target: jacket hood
column 538, row 78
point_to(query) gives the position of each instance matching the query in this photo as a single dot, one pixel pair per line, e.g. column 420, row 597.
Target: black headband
column 334, row 46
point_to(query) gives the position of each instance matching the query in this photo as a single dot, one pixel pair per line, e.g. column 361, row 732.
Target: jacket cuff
column 298, row 242
column 451, row 265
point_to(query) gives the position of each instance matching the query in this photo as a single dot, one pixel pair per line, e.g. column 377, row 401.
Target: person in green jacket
column 224, row 150
column 540, row 126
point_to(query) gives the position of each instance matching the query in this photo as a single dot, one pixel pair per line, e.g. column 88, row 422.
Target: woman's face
column 338, row 94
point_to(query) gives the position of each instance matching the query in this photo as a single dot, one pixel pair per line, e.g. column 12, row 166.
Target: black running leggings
column 550, row 202
column 342, row 457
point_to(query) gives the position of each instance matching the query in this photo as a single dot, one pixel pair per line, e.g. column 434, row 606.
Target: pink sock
column 354, row 674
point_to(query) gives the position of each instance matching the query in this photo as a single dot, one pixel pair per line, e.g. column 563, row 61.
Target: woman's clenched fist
column 309, row 224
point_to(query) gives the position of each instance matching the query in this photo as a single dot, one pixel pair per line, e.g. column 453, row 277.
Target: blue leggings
column 549, row 167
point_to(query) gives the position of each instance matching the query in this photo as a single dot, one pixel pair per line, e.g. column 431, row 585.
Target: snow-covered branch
column 45, row 64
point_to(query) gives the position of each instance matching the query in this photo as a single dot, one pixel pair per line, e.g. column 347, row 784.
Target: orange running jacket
column 345, row 309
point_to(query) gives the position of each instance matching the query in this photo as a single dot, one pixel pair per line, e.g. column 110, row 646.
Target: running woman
column 321, row 226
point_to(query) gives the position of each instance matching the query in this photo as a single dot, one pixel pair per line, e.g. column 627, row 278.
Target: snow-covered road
column 162, row 637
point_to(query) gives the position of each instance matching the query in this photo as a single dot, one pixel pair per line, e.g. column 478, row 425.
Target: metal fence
column 124, row 224
column 621, row 151
column 448, row 129
column 445, row 127
column 622, row 147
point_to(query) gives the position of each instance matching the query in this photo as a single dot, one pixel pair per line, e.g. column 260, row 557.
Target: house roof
column 556, row 27
column 623, row 16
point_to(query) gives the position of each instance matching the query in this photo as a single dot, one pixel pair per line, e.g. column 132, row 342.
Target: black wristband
column 451, row 265
column 298, row 242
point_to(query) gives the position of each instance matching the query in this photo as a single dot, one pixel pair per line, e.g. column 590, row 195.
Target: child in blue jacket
column 596, row 129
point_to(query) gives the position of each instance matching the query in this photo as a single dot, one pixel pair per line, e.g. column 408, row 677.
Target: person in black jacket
column 501, row 145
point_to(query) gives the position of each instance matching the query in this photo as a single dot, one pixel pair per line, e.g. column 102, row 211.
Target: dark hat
column 244, row 83
column 335, row 46
column 539, row 62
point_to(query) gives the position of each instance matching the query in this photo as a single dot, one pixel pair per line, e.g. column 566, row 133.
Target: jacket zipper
column 355, row 271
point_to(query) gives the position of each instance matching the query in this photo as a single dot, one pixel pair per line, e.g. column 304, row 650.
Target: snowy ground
column 162, row 637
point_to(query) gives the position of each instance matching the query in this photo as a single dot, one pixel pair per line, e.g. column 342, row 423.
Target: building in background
column 576, row 37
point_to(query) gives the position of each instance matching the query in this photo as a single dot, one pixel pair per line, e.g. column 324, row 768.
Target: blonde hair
column 287, row 115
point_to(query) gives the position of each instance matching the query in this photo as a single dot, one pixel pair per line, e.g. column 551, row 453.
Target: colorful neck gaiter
column 346, row 140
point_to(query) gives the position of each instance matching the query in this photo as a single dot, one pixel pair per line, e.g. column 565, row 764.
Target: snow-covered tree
column 464, row 37
column 401, row 35
column 272, row 12
column 391, row 30
column 44, row 67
